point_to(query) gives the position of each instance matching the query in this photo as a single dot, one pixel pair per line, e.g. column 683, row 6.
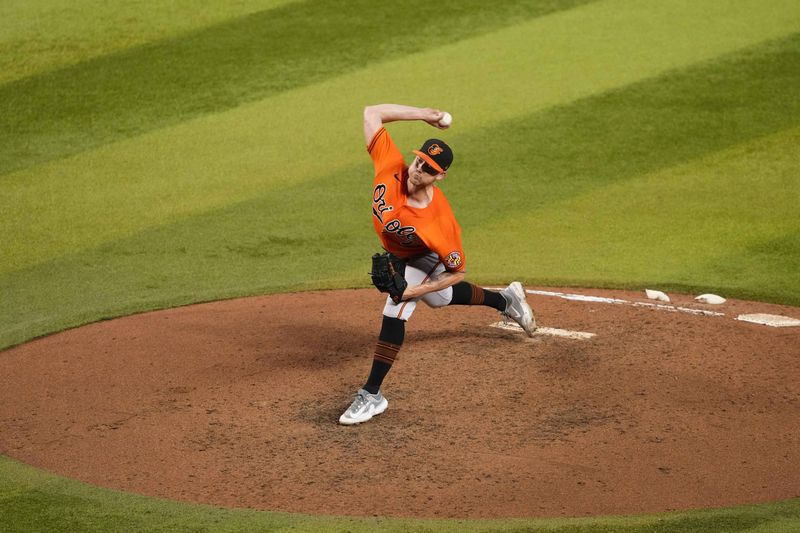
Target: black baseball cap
column 436, row 153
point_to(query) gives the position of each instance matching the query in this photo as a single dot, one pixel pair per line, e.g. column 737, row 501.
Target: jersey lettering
column 379, row 206
column 406, row 232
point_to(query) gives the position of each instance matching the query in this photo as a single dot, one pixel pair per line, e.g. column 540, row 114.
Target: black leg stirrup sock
column 390, row 340
column 465, row 293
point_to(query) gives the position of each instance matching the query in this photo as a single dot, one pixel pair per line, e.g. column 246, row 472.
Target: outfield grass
column 47, row 35
column 63, row 111
column 156, row 156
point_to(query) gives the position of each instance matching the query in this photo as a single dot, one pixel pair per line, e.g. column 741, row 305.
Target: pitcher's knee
column 439, row 298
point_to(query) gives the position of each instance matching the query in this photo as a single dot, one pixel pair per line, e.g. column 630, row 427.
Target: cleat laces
column 359, row 402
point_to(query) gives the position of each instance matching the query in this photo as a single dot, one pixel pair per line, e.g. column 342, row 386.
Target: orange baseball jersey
column 404, row 230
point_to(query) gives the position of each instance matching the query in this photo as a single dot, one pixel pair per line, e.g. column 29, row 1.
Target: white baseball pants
column 418, row 271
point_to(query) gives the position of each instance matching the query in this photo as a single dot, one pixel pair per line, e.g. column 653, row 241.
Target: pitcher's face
column 421, row 174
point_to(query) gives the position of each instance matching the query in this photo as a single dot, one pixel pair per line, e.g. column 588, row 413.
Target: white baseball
column 446, row 120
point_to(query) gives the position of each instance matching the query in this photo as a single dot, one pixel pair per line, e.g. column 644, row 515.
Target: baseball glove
column 387, row 275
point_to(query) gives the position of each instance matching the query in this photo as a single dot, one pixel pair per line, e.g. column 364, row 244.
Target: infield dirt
column 235, row 404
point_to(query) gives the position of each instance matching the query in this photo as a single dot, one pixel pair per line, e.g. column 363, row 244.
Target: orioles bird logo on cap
column 435, row 149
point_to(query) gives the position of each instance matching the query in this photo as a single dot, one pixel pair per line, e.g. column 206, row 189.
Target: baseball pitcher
column 423, row 259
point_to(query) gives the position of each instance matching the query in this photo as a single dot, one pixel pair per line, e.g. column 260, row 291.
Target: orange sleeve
column 384, row 152
column 451, row 252
column 444, row 239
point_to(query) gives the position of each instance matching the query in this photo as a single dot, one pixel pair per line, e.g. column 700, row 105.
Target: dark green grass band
column 64, row 112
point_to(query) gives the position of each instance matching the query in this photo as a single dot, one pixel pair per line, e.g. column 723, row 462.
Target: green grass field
column 154, row 156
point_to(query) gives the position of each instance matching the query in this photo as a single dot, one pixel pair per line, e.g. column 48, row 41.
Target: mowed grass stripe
column 726, row 223
column 658, row 123
column 47, row 34
column 66, row 111
column 312, row 235
column 316, row 233
column 221, row 159
column 692, row 237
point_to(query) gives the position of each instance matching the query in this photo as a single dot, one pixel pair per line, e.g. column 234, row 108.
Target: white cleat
column 517, row 307
column 363, row 408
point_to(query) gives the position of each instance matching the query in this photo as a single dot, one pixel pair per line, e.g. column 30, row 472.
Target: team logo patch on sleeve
column 453, row 260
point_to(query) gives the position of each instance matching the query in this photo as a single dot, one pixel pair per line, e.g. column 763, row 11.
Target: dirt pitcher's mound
column 236, row 403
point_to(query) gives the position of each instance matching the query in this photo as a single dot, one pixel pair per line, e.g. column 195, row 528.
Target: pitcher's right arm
column 375, row 116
